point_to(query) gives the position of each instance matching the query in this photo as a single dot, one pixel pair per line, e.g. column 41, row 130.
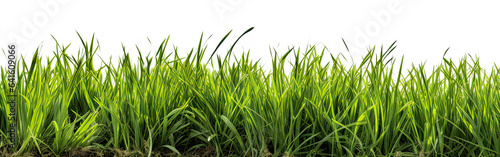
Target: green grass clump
column 182, row 105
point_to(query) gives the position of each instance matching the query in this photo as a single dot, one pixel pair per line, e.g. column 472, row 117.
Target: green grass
column 183, row 105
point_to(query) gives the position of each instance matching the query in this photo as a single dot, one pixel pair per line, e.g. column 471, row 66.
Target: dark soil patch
column 100, row 152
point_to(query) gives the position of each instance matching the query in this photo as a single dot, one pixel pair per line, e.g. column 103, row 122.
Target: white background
column 424, row 29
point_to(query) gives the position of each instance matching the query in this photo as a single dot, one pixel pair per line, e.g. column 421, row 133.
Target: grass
column 180, row 105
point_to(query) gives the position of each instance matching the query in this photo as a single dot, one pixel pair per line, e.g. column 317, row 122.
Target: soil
column 97, row 152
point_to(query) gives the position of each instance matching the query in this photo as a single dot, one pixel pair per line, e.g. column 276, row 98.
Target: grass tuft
column 181, row 105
